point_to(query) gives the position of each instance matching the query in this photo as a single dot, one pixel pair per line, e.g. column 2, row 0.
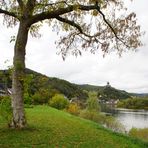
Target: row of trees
column 134, row 103
column 105, row 31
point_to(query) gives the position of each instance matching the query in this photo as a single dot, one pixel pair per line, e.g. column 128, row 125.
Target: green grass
column 50, row 128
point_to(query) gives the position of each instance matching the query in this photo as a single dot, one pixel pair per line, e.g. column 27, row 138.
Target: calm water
column 128, row 117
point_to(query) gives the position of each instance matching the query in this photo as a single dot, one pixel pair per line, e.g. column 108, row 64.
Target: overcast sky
column 129, row 73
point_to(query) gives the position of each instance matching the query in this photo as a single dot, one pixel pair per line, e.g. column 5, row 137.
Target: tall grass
column 139, row 133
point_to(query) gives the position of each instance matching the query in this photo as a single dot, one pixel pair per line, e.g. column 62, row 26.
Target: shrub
column 27, row 99
column 112, row 123
column 139, row 133
column 93, row 104
column 5, row 108
column 37, row 99
column 59, row 102
column 93, row 116
column 1, row 98
column 40, row 97
column 73, row 108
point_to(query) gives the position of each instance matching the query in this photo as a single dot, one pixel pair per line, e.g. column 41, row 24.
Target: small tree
column 59, row 101
column 89, row 24
column 92, row 102
column 5, row 108
column 73, row 108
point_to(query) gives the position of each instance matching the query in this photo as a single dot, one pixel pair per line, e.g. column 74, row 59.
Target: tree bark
column 19, row 120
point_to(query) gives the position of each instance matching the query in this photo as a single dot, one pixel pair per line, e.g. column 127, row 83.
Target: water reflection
column 128, row 117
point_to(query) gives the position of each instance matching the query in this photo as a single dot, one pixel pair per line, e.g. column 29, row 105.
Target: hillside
column 49, row 127
column 107, row 92
column 36, row 82
column 139, row 94
column 89, row 87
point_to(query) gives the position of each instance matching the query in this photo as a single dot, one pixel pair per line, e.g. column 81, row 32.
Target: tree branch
column 52, row 4
column 59, row 11
column 110, row 26
column 69, row 8
column 29, row 7
column 21, row 4
column 8, row 13
column 72, row 23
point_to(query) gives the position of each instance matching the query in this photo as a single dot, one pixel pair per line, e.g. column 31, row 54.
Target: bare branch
column 77, row 26
column 110, row 26
column 8, row 13
column 72, row 23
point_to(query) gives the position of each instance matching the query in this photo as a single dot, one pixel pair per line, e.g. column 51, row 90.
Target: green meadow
column 51, row 128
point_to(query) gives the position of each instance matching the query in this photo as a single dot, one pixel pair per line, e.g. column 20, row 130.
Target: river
column 128, row 117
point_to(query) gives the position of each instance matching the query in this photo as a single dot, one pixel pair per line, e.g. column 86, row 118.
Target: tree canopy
column 89, row 24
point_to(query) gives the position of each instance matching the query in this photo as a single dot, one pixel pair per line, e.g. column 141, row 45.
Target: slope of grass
column 50, row 128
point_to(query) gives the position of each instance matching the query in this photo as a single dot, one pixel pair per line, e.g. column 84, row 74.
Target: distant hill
column 107, row 92
column 88, row 87
column 139, row 94
column 37, row 81
column 70, row 90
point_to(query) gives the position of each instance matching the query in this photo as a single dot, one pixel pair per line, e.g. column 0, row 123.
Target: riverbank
column 49, row 127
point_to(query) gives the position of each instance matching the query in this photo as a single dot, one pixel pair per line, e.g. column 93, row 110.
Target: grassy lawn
column 50, row 128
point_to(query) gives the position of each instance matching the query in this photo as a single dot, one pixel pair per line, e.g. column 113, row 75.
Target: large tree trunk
column 19, row 120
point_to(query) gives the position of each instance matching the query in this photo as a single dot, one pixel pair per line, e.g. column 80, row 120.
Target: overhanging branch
column 8, row 13
column 72, row 23
column 69, row 8
column 60, row 11
column 110, row 26
column 77, row 26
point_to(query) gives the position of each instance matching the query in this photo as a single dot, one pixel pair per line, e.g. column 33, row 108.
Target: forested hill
column 88, row 87
column 37, row 82
column 107, row 92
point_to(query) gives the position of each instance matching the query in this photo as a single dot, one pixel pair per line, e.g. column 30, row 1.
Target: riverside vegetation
column 134, row 103
column 139, row 133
